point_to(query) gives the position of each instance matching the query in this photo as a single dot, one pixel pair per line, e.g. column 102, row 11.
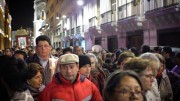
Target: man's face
column 8, row 52
column 43, row 48
column 69, row 71
column 78, row 51
column 31, row 53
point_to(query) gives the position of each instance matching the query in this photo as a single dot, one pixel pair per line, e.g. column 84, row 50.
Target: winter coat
column 35, row 92
column 49, row 70
column 165, row 87
column 22, row 96
column 63, row 90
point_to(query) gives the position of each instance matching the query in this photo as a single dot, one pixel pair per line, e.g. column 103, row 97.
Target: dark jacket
column 49, row 70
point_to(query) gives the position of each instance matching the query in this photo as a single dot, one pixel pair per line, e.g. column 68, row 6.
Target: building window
column 113, row 5
column 124, row 9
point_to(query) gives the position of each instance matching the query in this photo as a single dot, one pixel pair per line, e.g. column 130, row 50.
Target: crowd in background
column 42, row 73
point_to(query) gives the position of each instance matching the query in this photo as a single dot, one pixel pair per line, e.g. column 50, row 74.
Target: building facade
column 39, row 18
column 5, row 26
column 113, row 24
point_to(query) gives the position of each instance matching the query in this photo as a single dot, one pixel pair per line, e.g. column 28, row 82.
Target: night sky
column 22, row 13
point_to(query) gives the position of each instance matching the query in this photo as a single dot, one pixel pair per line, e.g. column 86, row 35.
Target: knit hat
column 84, row 60
column 68, row 58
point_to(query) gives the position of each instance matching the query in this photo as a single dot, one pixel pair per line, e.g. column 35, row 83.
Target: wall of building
column 99, row 24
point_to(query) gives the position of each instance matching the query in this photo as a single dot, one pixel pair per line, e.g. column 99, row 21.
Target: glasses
column 128, row 92
column 149, row 76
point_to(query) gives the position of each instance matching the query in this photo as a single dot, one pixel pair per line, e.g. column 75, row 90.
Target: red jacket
column 61, row 89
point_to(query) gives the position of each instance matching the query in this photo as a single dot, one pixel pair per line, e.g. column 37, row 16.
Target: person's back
column 176, row 68
column 13, row 73
column 167, row 54
column 175, row 84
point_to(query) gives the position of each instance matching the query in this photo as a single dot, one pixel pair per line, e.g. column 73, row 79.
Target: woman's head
column 34, row 75
column 124, row 58
column 162, row 64
column 93, row 59
column 14, row 73
column 123, row 86
column 142, row 67
column 154, row 61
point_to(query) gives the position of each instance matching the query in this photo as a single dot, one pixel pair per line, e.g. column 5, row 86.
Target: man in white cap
column 68, row 84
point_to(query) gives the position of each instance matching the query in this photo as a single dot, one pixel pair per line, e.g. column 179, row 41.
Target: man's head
column 166, row 52
column 68, row 64
column 8, row 52
column 67, row 50
column 145, row 48
column 43, row 46
column 31, row 53
column 78, row 50
column 20, row 54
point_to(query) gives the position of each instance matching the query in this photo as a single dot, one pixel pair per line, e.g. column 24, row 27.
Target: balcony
column 107, row 17
column 162, row 10
column 93, row 21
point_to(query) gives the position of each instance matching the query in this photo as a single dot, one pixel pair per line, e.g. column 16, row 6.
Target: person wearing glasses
column 143, row 68
column 13, row 77
column 44, row 58
column 123, row 86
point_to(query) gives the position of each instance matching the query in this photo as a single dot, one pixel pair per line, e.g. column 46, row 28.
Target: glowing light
column 80, row 2
column 64, row 16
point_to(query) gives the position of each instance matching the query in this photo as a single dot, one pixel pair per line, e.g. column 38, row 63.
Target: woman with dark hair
column 123, row 86
column 13, row 77
column 34, row 81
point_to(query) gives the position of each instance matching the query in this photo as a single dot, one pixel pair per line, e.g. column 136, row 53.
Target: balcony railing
column 93, row 21
column 107, row 17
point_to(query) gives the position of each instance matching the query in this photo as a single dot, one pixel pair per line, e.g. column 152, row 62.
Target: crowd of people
column 42, row 73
